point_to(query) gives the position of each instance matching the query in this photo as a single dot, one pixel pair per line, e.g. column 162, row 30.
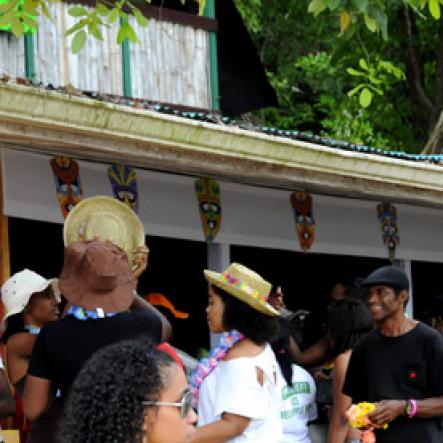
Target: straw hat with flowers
column 244, row 284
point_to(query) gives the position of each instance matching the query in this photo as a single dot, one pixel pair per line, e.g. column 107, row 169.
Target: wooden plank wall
column 12, row 55
column 97, row 68
column 170, row 64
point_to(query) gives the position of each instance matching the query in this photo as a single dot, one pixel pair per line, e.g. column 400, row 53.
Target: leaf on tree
column 78, row 42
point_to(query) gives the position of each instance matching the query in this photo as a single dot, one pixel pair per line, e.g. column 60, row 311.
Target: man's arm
column 388, row 410
column 140, row 304
column 7, row 401
column 35, row 396
column 221, row 431
column 338, row 425
column 19, row 348
column 311, row 356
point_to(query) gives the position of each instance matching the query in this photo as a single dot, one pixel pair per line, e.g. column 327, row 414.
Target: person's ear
column 404, row 296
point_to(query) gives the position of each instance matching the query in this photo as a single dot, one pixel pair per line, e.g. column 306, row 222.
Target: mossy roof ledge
column 50, row 122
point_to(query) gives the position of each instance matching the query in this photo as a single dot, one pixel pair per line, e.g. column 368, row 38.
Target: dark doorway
column 175, row 270
column 36, row 245
column 306, row 279
column 426, row 284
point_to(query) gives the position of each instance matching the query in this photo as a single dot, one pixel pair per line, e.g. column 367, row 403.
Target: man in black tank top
column 399, row 365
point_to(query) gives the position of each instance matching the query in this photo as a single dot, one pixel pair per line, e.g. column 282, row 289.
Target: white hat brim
column 55, row 288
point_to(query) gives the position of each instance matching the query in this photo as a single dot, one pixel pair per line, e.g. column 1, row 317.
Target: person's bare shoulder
column 21, row 343
column 245, row 348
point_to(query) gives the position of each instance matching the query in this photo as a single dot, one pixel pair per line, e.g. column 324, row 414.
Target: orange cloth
column 155, row 298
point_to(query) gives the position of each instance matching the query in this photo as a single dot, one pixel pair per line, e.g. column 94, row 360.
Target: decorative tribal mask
column 387, row 218
column 124, row 184
column 208, row 196
column 304, row 219
column 67, row 182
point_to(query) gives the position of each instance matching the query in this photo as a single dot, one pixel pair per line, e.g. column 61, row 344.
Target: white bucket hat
column 18, row 289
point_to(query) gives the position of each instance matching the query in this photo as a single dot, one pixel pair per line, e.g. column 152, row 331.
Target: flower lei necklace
column 208, row 364
column 84, row 314
column 32, row 329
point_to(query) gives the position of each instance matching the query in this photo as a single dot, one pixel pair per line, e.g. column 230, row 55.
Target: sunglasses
column 185, row 403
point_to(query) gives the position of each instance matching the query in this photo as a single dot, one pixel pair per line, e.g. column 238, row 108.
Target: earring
column 145, row 437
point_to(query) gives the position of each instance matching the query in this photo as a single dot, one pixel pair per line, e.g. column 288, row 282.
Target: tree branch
column 432, row 145
column 414, row 73
column 439, row 67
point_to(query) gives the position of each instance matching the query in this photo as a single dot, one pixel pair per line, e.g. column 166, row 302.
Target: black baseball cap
column 391, row 276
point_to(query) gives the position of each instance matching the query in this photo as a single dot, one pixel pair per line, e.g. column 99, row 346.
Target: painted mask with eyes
column 304, row 219
column 124, row 184
column 67, row 182
column 387, row 218
column 208, row 196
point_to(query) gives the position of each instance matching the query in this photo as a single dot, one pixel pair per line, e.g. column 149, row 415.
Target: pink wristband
column 414, row 408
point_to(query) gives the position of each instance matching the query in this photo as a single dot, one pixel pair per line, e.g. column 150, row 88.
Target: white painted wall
column 252, row 216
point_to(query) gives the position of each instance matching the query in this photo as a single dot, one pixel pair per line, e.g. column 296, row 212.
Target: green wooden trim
column 215, row 91
column 29, row 56
column 126, row 67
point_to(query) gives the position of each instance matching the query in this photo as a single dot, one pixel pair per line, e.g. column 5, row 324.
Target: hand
column 320, row 375
column 140, row 260
column 387, row 411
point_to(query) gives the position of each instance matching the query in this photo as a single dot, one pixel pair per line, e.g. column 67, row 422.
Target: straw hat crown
column 244, row 284
column 106, row 218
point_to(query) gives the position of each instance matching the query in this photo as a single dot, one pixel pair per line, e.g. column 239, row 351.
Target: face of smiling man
column 383, row 303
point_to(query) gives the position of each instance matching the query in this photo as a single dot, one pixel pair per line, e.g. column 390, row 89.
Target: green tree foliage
column 359, row 70
column 21, row 16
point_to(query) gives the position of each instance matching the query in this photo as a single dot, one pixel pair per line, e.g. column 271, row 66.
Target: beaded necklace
column 84, row 314
column 32, row 329
column 208, row 364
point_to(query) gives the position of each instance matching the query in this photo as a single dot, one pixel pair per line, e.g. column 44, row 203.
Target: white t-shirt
column 297, row 405
column 233, row 387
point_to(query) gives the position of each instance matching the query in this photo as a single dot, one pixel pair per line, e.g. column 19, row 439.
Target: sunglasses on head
column 185, row 403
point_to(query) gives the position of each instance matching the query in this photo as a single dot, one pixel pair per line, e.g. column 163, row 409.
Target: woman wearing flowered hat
column 236, row 385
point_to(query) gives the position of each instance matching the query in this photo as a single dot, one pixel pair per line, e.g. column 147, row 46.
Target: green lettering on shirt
column 296, row 388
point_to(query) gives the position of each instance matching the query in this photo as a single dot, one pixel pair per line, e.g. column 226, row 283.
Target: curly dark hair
column 258, row 327
column 348, row 321
column 105, row 403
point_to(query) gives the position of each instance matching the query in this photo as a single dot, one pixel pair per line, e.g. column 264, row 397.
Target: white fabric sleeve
column 2, row 366
column 240, row 393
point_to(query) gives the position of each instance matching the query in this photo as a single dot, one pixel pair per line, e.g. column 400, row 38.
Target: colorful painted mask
column 208, row 195
column 387, row 218
column 124, row 184
column 67, row 182
column 304, row 219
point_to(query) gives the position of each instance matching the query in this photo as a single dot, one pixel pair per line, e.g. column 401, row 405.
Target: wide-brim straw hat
column 19, row 288
column 108, row 219
column 96, row 274
column 244, row 284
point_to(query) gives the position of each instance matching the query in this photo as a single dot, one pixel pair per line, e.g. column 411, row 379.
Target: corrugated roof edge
column 216, row 118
